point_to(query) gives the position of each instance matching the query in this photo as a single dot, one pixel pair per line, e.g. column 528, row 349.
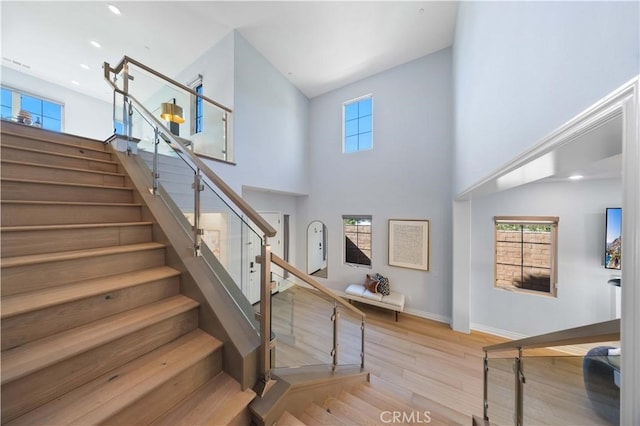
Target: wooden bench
column 357, row 292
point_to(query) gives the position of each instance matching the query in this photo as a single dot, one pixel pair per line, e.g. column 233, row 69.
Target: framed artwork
column 409, row 244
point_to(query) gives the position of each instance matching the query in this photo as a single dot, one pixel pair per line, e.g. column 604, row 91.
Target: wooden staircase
column 363, row 404
column 94, row 328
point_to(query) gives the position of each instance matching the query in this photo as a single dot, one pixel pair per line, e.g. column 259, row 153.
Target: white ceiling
column 318, row 45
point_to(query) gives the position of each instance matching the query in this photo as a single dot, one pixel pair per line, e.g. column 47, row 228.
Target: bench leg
column 396, row 316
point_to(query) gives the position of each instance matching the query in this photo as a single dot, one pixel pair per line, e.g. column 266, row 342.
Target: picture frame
column 409, row 243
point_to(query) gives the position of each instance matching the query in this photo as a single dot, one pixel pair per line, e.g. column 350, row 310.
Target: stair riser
column 9, row 153
column 38, row 214
column 23, row 243
column 21, row 279
column 171, row 392
column 22, row 171
column 31, row 326
column 23, row 395
column 26, row 131
column 28, row 191
column 59, row 148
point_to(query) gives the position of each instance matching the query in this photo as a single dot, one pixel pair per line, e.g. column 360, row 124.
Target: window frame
column 369, row 218
column 16, row 107
column 552, row 221
column 344, row 123
column 197, row 105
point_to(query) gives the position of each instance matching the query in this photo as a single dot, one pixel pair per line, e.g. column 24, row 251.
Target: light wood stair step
column 25, row 189
column 219, row 401
column 139, row 391
column 288, row 419
column 56, row 159
column 95, row 150
column 27, row 213
column 27, row 316
column 30, row 132
column 45, row 369
column 348, row 414
column 317, row 415
column 28, row 240
column 364, row 407
column 16, row 169
column 34, row 272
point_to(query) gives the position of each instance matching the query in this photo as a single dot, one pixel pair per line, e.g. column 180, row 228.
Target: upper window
column 198, row 113
column 358, row 125
column 526, row 253
column 357, row 240
column 43, row 113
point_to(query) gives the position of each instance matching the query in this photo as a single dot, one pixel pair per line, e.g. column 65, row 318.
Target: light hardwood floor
column 428, row 365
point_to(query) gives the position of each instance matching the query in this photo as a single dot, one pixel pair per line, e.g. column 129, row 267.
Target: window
column 198, row 110
column 526, row 253
column 44, row 113
column 358, row 125
column 197, row 105
column 357, row 240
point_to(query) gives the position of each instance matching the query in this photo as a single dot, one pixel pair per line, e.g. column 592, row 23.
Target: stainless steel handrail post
column 519, row 389
column 266, row 344
column 362, row 343
column 334, row 350
column 155, row 173
column 198, row 187
column 485, row 391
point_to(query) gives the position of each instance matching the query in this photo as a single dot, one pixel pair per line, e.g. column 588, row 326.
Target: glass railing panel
column 349, row 337
column 571, row 390
column 228, row 243
column 201, row 122
column 301, row 323
column 501, row 391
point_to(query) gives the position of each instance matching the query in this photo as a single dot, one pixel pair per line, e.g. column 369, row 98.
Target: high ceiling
column 318, row 45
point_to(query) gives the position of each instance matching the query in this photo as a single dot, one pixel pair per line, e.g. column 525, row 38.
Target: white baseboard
column 427, row 315
column 497, row 332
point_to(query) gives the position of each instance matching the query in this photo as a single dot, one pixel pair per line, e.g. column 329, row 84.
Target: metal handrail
column 242, row 205
column 598, row 332
column 322, row 289
column 128, row 60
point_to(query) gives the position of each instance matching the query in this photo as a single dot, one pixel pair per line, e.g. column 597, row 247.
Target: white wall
column 522, row 69
column 83, row 115
column 405, row 176
column 584, row 297
column 270, row 126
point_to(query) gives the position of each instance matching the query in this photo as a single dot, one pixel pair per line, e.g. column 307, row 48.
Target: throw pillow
column 371, row 284
column 383, row 285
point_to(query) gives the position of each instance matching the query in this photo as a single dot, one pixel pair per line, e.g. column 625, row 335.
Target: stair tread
column 96, row 401
column 384, row 399
column 288, row 419
column 72, row 226
column 73, row 169
column 9, row 262
column 363, row 407
column 345, row 412
column 58, row 154
column 39, row 299
column 42, row 135
column 220, row 399
column 321, row 416
column 26, row 359
column 68, row 203
column 72, row 184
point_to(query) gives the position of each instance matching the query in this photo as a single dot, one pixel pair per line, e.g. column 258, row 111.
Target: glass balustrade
column 303, row 325
column 501, row 390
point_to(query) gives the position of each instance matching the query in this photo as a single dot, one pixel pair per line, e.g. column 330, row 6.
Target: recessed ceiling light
column 75, row 82
column 95, row 43
column 114, row 9
column 576, row 177
column 84, row 66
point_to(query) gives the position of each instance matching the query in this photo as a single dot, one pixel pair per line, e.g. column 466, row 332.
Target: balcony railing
column 527, row 382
